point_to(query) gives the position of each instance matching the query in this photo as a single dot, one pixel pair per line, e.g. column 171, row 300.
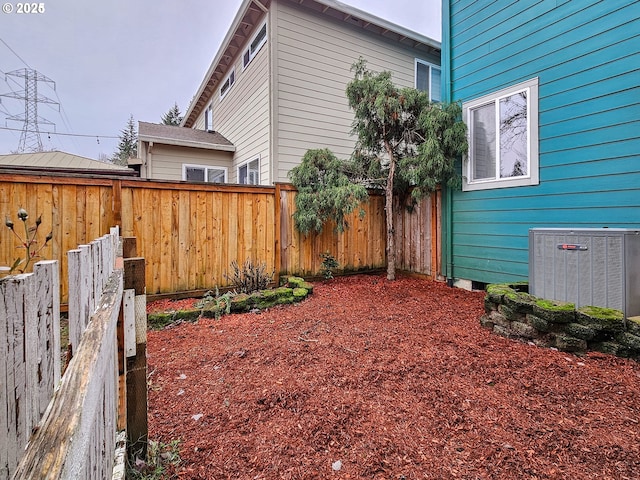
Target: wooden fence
column 29, row 357
column 69, row 433
column 190, row 233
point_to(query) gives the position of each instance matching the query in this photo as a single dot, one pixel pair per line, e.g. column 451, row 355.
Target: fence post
column 277, row 234
column 134, row 278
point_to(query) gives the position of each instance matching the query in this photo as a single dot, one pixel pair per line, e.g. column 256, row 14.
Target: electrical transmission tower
column 30, row 140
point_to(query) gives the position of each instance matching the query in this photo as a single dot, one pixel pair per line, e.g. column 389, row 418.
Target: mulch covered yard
column 386, row 380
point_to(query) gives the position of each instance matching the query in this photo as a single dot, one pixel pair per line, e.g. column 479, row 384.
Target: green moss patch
column 605, row 320
column 157, row 321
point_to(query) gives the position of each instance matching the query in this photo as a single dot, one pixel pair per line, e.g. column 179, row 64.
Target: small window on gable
column 428, row 79
column 249, row 173
column 208, row 119
column 228, row 83
column 202, row 173
column 503, row 138
column 256, row 44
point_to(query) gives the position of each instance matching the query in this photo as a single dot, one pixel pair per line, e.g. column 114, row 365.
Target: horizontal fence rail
column 190, row 233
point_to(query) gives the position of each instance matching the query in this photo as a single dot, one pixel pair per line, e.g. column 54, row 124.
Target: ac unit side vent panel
column 595, row 266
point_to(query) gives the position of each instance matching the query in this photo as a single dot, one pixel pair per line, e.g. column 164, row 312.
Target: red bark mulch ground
column 386, row 380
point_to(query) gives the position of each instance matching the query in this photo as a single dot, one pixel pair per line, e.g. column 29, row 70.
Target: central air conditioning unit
column 589, row 266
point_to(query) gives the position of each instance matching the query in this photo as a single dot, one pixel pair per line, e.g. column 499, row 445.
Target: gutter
column 447, row 210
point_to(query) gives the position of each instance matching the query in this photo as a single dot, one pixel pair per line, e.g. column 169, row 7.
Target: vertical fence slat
column 4, row 386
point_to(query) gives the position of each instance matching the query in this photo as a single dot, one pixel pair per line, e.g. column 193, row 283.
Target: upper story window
column 256, row 44
column 203, row 173
column 249, row 173
column 428, row 79
column 208, row 119
column 228, row 83
column 503, row 138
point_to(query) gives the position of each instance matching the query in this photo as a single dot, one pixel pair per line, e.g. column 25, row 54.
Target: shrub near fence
column 189, row 233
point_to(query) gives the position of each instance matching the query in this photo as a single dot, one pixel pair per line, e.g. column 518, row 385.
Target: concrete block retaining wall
column 511, row 312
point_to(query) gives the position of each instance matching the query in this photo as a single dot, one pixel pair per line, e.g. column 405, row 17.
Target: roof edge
column 187, row 143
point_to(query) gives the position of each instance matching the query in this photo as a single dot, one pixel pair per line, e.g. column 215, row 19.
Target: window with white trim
column 249, row 173
column 256, row 44
column 228, row 83
column 208, row 119
column 503, row 138
column 428, row 79
column 203, row 173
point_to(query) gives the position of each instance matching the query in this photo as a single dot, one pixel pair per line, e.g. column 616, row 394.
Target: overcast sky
column 116, row 58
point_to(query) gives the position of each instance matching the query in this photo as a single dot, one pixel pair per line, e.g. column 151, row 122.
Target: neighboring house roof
column 252, row 10
column 184, row 137
column 56, row 160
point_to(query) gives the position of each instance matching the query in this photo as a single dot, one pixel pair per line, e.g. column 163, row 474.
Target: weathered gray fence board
column 30, row 349
column 77, row 432
column 4, row 427
column 76, row 439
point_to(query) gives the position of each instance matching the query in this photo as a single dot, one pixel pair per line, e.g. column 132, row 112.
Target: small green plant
column 329, row 263
column 29, row 242
column 250, row 277
column 221, row 303
column 160, row 455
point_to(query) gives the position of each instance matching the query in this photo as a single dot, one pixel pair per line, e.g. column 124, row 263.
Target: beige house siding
column 165, row 162
column 312, row 67
column 243, row 114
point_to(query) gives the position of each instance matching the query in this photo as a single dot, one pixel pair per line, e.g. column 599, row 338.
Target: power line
column 12, row 51
column 64, row 134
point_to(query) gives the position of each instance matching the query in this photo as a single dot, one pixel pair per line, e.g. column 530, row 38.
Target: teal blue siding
column 586, row 56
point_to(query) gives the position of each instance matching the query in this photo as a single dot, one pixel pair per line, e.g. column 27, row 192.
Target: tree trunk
column 388, row 208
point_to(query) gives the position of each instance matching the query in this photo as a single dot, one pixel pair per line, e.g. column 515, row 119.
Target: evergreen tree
column 173, row 116
column 405, row 143
column 128, row 145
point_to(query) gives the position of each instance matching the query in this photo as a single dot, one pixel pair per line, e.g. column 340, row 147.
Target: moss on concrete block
column 570, row 344
column 160, row 320
column 282, row 292
column 300, row 294
column 523, row 330
column 555, row 312
column 489, row 305
column 240, row 302
column 285, row 300
column 485, row 322
column 496, row 291
column 580, row 331
column 499, row 319
column 502, row 331
column 633, row 325
column 612, row 348
column 602, row 320
column 519, row 301
column 294, row 282
column 298, row 282
column 629, row 340
column 511, row 313
column 213, row 311
column 538, row 323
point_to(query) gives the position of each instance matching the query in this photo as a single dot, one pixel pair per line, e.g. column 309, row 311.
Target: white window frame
column 208, row 118
column 229, row 82
column 431, row 67
column 256, row 171
column 532, row 176
column 206, row 169
column 250, row 52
